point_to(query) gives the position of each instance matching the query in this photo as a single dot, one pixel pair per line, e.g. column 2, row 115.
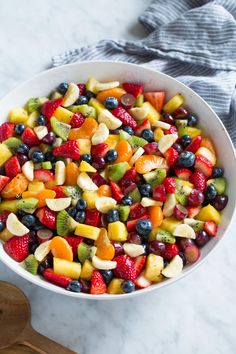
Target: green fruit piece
column 181, row 197
column 170, row 224
column 27, row 204
column 99, row 107
column 136, row 196
column 30, row 264
column 9, row 205
column 124, row 135
column 35, row 103
column 47, row 165
column 91, row 84
column 38, row 166
column 219, row 184
column 59, row 128
column 156, row 177
column 12, row 143
column 83, row 252
column 197, row 225
column 139, row 101
column 117, row 171
column 72, row 191
column 181, row 123
column 164, row 236
column 124, row 212
column 84, row 109
column 55, row 94
column 63, row 223
column 136, row 142
column 182, row 131
column 192, row 131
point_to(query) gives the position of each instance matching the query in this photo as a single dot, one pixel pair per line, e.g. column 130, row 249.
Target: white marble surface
column 195, row 315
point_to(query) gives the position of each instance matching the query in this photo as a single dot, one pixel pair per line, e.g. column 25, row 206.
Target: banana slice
column 147, row 202
column 103, row 204
column 101, row 86
column 169, row 205
column 109, row 119
column 41, row 131
column 28, row 170
column 58, row 204
column 166, row 142
column 100, row 135
column 160, row 124
column 104, row 265
column 71, row 95
column 136, row 155
column 60, row 173
column 133, row 250
column 174, row 268
column 184, row 230
column 15, row 227
column 86, row 183
column 42, row 250
column 139, row 113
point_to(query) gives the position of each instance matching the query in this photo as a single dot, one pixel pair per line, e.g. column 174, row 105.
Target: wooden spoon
column 15, row 326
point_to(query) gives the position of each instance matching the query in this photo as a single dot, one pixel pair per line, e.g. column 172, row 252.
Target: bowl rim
column 56, row 289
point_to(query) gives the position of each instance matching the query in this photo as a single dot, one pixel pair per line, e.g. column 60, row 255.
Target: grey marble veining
column 196, row 315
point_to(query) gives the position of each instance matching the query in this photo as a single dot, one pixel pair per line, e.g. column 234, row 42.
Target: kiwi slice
column 47, row 165
column 63, row 223
column 84, row 109
column 136, row 196
column 117, row 171
column 124, row 135
column 124, row 212
column 59, row 128
column 181, row 197
column 136, row 142
column 55, row 94
column 219, row 184
column 155, row 177
column 12, row 143
column 139, row 101
column 27, row 204
column 72, row 191
column 83, row 252
column 30, row 264
column 181, row 123
column 164, row 236
column 35, row 103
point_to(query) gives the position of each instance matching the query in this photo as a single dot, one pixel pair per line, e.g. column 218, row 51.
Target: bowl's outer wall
column 43, row 83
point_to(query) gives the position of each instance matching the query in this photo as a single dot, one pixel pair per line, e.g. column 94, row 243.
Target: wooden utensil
column 15, row 327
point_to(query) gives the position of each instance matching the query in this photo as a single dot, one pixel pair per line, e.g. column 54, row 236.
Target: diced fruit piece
column 49, row 107
column 148, row 202
column 43, row 175
column 142, row 282
column 99, row 107
column 109, row 119
column 117, row 231
column 115, row 92
column 86, row 130
column 17, row 247
column 57, row 279
column 102, row 86
column 101, row 134
column 199, row 180
column 92, row 217
column 63, row 223
column 14, row 225
column 99, row 150
column 174, row 103
column 17, row 115
column 42, row 250
column 156, row 98
column 58, row 204
column 86, row 183
column 131, row 224
column 3, row 182
column 60, row 129
column 135, row 195
column 30, row 264
column 27, row 204
column 36, row 186
column 104, row 191
column 5, row 154
column 134, row 89
column 102, row 264
column 136, row 211
column 125, row 267
column 87, row 231
column 133, row 250
column 164, row 236
column 115, row 286
column 84, row 252
column 144, row 125
column 210, row 227
column 65, row 116
column 69, row 149
column 71, row 95
column 137, row 142
column 28, row 170
column 124, row 117
column 185, row 231
column 191, row 131
column 174, row 268
column 156, row 177
column 169, row 205
column 156, row 215
column 183, row 173
column 116, row 191
column 147, row 163
column 139, row 113
column 159, row 193
column 41, row 132
column 208, row 143
column 124, row 212
column 6, row 131
column 47, row 217
column 166, row 142
column 66, row 268
column 61, row 249
column 195, row 144
column 90, row 197
column 98, row 285
column 103, row 204
column 117, row 171
column 171, row 156
column 154, row 266
column 60, row 173
column 202, row 164
column 203, row 151
column 87, row 270
column 72, row 172
column 12, row 143
column 170, row 224
column 124, row 151
column 84, row 146
column 209, row 213
column 86, row 167
column 219, row 184
column 152, row 113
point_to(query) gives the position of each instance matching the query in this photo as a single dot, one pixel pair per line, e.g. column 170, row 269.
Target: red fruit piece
column 171, row 156
column 137, row 211
column 125, row 268
column 82, row 89
column 172, row 130
column 29, row 137
column 17, row 247
column 47, row 217
column 193, row 211
column 210, row 227
column 142, row 282
column 171, row 250
column 98, row 285
column 74, row 242
column 49, row 107
column 6, row 131
column 43, row 175
column 195, row 144
column 144, row 125
column 129, row 176
column 139, row 264
column 195, row 198
column 202, row 164
column 77, row 120
column 169, row 184
column 128, row 188
column 98, row 179
column 99, row 150
column 69, row 149
column 3, row 216
column 59, row 192
column 151, row 148
column 132, row 223
column 92, row 217
column 3, row 182
column 57, row 279
column 159, row 193
column 116, row 191
column 124, row 117
column 156, row 98
column 12, row 167
column 183, row 173
column 199, row 180
column 180, row 212
column 134, row 89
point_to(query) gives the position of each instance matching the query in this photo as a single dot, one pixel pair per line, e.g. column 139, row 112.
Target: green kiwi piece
column 84, row 109
column 83, row 252
column 139, row 101
column 63, row 223
column 27, row 204
column 30, row 264
column 136, row 142
column 117, row 171
column 164, row 236
column 136, row 196
column 13, row 143
column 60, row 129
column 124, row 212
column 35, row 103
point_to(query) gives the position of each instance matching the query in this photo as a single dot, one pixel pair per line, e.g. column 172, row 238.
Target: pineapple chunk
column 18, row 115
column 117, row 231
column 86, row 167
column 90, row 197
column 36, row 186
column 66, row 268
column 87, row 270
column 63, row 115
column 84, row 146
column 209, row 213
column 174, row 103
column 5, row 154
column 9, row 205
column 97, row 105
column 154, row 266
column 112, row 141
column 158, row 134
column 31, row 121
column 169, row 224
column 87, row 231
column 115, row 286
column 152, row 115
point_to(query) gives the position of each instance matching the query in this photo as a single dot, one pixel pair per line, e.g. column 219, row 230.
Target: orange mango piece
column 104, row 191
column 146, row 163
column 50, row 185
column 115, row 92
column 72, row 172
column 86, row 130
column 60, row 248
column 16, row 186
column 42, row 196
column 29, row 194
column 124, row 151
column 156, row 215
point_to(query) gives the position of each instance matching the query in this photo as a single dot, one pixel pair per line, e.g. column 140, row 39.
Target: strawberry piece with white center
column 49, row 107
column 99, row 150
column 125, row 268
column 116, row 191
column 144, row 125
column 142, row 282
column 203, row 165
column 134, row 89
column 30, row 138
column 12, row 167
column 139, row 264
column 183, row 173
column 210, row 227
column 17, row 247
column 98, row 285
column 70, row 149
column 6, row 131
column 195, row 144
column 43, row 175
column 47, row 217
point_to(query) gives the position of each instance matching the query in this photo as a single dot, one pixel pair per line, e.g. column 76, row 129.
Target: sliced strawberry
column 47, row 217
column 199, row 180
column 98, row 179
column 137, row 211
column 77, row 120
column 171, row 250
column 3, row 182
column 132, row 223
column 129, row 176
column 142, row 282
column 193, row 211
column 195, row 144
column 139, row 264
column 98, row 285
column 6, row 131
column 159, row 193
column 30, row 138
column 82, row 89
column 59, row 192
column 183, row 173
column 144, row 125
column 74, row 242
column 171, row 156
column 57, row 279
column 116, row 191
column 156, row 98
column 210, row 227
column 124, row 117
column 125, row 268
column 99, row 150
column 69, row 149
column 3, row 216
column 17, row 247
column 129, row 187
column 43, row 175
column 49, row 107
column 92, row 217
column 202, row 164
column 151, row 148
column 12, row 167
column 134, row 89
column 169, row 184
column 172, row 130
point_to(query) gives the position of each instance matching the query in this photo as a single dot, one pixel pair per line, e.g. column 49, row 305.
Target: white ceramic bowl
column 44, row 82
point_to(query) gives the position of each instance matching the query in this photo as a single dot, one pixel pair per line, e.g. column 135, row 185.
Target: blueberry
column 49, row 156
column 210, row 193
column 148, row 135
column 19, row 129
column 145, row 190
column 111, row 156
column 38, row 225
column 86, row 157
column 62, row 88
column 143, row 227
column 28, row 221
column 111, row 103
column 21, row 213
column 23, row 149
column 128, row 286
column 82, row 100
column 128, row 129
column 72, row 212
column 81, row 204
column 80, row 216
column 40, row 120
column 47, row 263
column 107, row 275
column 185, row 140
column 1, row 226
column 74, row 286
column 217, row 172
column 37, row 156
column 186, row 159
column 112, row 215
column 90, row 94
column 127, row 200
column 192, row 120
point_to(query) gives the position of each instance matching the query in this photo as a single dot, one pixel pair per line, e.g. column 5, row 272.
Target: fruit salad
column 107, row 187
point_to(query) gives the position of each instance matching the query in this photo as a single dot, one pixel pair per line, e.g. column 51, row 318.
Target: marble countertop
column 195, row 315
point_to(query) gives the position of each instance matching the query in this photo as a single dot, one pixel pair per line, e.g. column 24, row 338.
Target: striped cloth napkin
column 191, row 40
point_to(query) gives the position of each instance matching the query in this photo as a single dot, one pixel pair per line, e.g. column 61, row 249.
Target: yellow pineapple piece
column 208, row 213
column 5, row 235
column 90, row 197
column 18, row 115
column 31, row 121
column 97, row 105
column 193, row 132
column 9, row 205
column 36, row 186
column 112, row 141
column 174, row 103
column 63, row 115
column 84, row 146
column 152, row 234
column 158, row 134
column 5, row 154
column 117, row 231
column 86, row 167
column 66, row 268
column 154, row 266
column 87, row 270
column 87, row 231
column 152, row 115
column 169, row 224
column 115, row 286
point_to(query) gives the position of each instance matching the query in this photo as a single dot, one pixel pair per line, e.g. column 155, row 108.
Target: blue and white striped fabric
column 191, row 40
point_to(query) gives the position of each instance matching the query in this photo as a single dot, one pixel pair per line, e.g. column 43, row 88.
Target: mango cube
column 117, row 231
column 66, row 268
column 87, row 231
column 112, row 141
column 208, row 213
column 63, row 115
column 5, row 154
column 84, row 146
column 36, row 186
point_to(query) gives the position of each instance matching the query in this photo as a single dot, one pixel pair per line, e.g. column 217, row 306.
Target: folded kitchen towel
column 191, row 40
